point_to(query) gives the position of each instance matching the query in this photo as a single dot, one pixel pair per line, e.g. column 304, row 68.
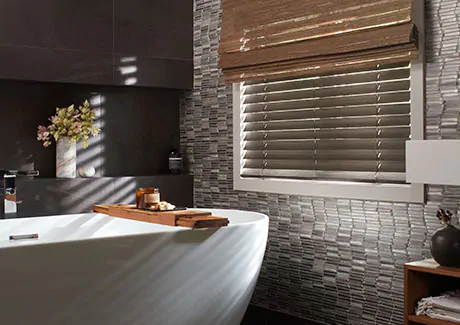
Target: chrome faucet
column 8, row 198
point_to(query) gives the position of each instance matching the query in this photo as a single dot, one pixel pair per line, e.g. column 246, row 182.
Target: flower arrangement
column 78, row 124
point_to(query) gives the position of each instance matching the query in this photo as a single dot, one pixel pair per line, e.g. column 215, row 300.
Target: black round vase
column 445, row 246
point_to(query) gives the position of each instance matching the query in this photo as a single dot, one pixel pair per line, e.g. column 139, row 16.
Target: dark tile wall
column 137, row 124
column 36, row 24
column 165, row 33
column 56, row 65
column 261, row 316
column 108, row 42
column 42, row 197
column 328, row 260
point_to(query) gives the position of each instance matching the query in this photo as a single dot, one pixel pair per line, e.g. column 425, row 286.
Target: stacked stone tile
column 327, row 260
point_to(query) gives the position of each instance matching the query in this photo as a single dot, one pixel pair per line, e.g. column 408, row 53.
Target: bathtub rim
column 7, row 244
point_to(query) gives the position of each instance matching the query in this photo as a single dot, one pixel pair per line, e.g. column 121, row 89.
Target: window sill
column 412, row 193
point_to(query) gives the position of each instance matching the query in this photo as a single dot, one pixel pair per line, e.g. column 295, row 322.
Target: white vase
column 66, row 158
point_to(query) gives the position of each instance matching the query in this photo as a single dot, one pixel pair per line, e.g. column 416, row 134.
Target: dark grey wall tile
column 261, row 316
column 153, row 72
column 72, row 24
column 12, row 144
column 82, row 67
column 75, row 41
column 175, row 189
column 53, row 196
column 26, row 63
column 43, row 197
column 18, row 130
column 142, row 122
column 158, row 29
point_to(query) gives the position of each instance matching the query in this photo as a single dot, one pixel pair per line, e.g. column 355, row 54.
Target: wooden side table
column 423, row 279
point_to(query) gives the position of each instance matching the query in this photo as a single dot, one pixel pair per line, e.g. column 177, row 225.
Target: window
column 325, row 95
column 334, row 135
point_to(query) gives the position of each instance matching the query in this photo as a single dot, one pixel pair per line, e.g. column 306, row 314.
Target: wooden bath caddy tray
column 186, row 218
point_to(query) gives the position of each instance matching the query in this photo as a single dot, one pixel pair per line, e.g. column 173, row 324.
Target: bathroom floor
column 261, row 316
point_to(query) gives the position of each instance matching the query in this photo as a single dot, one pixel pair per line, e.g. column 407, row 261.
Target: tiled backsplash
column 328, row 260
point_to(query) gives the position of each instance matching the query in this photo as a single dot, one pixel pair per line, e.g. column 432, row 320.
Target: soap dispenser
column 175, row 159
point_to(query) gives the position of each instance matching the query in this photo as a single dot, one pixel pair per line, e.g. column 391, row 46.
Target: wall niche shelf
column 423, row 279
column 111, row 177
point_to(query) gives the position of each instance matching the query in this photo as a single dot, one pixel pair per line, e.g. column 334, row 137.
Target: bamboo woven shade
column 270, row 39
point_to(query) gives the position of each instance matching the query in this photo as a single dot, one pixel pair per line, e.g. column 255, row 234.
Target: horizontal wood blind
column 351, row 126
column 269, row 39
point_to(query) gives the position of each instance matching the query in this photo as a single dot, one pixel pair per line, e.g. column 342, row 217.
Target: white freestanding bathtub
column 92, row 269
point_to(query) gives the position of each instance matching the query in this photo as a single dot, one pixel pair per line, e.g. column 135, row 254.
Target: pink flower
column 76, row 128
column 54, row 119
column 42, row 133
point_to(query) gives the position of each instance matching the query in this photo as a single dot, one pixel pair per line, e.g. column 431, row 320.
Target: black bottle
column 175, row 160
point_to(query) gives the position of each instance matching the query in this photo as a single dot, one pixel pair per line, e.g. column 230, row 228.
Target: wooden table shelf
column 423, row 279
column 428, row 320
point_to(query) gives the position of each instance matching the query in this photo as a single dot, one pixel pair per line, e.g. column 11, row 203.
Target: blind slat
column 327, row 112
column 350, row 165
column 342, row 175
column 318, row 123
column 349, row 154
column 325, row 92
column 356, row 133
column 402, row 96
column 325, row 144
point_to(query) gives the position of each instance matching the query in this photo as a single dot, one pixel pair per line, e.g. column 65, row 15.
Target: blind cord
column 315, row 137
column 265, row 143
column 379, row 130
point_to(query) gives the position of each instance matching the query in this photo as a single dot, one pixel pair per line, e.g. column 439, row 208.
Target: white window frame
column 414, row 193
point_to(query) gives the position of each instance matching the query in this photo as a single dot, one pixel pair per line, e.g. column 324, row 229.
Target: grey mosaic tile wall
column 328, row 260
